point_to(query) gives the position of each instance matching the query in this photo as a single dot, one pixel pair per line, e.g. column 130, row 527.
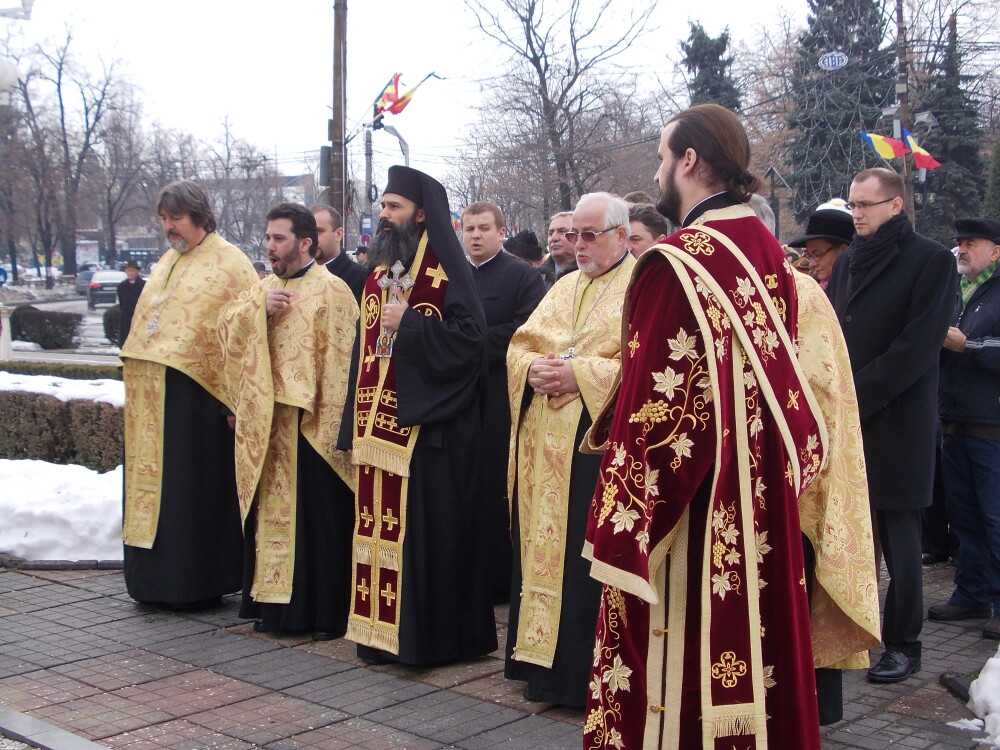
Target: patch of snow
column 25, row 346
column 102, row 390
column 984, row 700
column 54, row 512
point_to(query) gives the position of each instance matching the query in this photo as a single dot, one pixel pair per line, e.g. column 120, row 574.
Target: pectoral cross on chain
column 383, row 348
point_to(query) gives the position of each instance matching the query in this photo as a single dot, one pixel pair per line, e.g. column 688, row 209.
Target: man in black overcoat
column 893, row 291
column 510, row 290
column 330, row 226
column 128, row 295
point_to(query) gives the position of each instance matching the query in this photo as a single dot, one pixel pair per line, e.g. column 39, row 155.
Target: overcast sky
column 268, row 65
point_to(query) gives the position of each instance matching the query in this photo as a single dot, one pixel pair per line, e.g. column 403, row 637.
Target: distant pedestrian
column 128, row 295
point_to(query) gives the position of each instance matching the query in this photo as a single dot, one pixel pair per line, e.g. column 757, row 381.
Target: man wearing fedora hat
column 128, row 295
column 829, row 231
column 970, row 423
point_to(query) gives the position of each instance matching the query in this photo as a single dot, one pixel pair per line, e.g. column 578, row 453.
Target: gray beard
column 180, row 246
column 392, row 244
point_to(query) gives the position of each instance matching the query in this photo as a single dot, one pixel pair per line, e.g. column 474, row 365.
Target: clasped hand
column 393, row 314
column 276, row 300
column 552, row 376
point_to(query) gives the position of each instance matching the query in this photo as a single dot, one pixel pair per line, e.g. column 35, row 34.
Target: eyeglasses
column 816, row 254
column 865, row 205
column 588, row 236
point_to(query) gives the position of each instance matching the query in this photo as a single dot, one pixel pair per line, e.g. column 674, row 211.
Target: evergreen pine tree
column 832, row 106
column 991, row 202
column 955, row 188
column 705, row 58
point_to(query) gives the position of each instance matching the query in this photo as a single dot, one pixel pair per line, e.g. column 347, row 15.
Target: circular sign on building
column 833, row 60
column 366, row 240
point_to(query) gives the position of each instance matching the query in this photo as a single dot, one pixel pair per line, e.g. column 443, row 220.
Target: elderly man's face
column 561, row 250
column 181, row 231
column 595, row 257
column 975, row 254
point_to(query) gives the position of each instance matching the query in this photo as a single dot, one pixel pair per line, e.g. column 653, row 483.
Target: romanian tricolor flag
column 391, row 101
column 887, row 148
column 921, row 157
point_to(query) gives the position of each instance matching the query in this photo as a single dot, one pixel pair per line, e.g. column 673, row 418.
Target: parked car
column 82, row 283
column 103, row 287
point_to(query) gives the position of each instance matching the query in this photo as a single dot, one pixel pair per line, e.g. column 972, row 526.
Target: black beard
column 393, row 242
column 669, row 203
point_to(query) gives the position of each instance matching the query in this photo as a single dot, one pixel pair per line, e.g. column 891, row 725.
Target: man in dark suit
column 893, row 291
column 328, row 252
column 128, row 295
column 510, row 290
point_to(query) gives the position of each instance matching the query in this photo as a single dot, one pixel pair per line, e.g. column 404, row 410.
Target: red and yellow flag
column 887, row 148
column 921, row 157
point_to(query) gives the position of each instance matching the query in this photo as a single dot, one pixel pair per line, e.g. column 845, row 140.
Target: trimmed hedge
column 47, row 328
column 112, row 319
column 61, row 370
column 44, row 428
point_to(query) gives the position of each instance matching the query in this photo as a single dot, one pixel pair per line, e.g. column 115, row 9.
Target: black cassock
column 510, row 290
column 128, row 296
column 198, row 548
column 351, row 273
column 446, row 612
column 321, row 579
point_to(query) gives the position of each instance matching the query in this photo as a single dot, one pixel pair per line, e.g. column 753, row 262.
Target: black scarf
column 865, row 251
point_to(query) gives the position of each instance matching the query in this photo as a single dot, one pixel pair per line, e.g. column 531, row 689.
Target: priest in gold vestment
column 181, row 518
column 561, row 365
column 286, row 345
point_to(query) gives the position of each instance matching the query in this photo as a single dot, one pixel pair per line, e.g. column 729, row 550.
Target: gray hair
column 187, row 197
column 616, row 213
column 763, row 210
column 560, row 214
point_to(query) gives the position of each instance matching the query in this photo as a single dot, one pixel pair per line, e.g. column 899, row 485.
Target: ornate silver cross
column 383, row 347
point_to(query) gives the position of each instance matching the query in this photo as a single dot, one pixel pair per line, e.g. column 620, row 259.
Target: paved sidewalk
column 77, row 654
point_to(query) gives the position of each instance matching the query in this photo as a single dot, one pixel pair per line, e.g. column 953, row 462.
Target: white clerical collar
column 480, row 265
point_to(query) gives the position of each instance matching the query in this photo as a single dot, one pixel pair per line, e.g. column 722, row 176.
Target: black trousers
column 897, row 538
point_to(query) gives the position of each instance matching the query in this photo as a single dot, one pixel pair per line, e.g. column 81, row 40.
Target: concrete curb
column 39, row 734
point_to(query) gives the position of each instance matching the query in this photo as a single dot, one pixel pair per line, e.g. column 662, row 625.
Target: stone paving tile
column 224, row 615
column 445, row 717
column 123, row 669
column 179, row 734
column 566, row 715
column 43, row 597
column 931, row 702
column 190, row 693
column 340, row 649
column 12, row 666
column 104, row 582
column 289, row 640
column 98, row 611
column 42, row 687
column 267, row 718
column 446, row 676
column 281, row 668
column 498, row 689
column 355, row 734
column 101, row 715
column 61, row 648
column 527, row 733
column 211, row 648
column 359, row 691
column 73, row 577
column 148, row 629
column 14, row 581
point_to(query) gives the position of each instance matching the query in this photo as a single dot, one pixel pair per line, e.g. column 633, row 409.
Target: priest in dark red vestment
column 703, row 639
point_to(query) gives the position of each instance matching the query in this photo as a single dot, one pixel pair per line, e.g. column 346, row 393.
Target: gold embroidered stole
column 382, row 453
column 722, row 714
column 833, row 511
column 542, row 440
column 275, row 367
column 173, row 326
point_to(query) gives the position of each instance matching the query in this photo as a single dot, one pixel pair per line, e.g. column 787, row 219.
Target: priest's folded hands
column 552, row 376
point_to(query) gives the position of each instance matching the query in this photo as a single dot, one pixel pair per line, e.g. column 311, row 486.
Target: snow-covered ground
column 65, row 389
column 53, row 512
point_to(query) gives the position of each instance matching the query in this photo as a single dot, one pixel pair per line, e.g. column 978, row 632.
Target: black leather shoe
column 260, row 627
column 948, row 612
column 929, row 558
column 322, row 635
column 992, row 628
column 894, row 666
